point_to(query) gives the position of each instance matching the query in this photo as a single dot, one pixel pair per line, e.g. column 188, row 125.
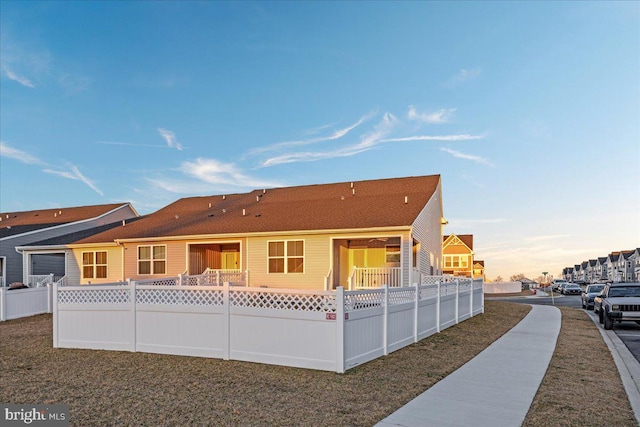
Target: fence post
column 55, row 315
column 482, row 295
column 438, row 307
column 217, row 277
column 49, row 302
column 340, row 313
column 51, row 278
column 471, row 299
column 246, row 278
column 180, row 279
column 3, row 295
column 457, row 299
column 132, row 295
column 416, row 306
column 226, row 304
column 385, row 327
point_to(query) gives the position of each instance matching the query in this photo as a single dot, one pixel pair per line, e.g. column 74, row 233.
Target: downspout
column 24, row 276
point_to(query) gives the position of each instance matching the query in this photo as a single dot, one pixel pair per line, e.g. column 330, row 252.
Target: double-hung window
column 152, row 259
column 94, row 265
column 286, row 256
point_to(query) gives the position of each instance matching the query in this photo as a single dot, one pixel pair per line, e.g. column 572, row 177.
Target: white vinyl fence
column 326, row 330
column 16, row 303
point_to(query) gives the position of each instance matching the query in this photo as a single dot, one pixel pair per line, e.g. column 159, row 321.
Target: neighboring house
column 628, row 260
column 592, row 275
column 614, row 269
column 567, row 274
column 478, row 269
column 18, row 229
column 352, row 234
column 457, row 254
column 635, row 261
column 601, row 268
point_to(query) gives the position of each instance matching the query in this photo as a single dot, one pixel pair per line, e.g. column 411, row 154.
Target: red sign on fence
column 331, row 316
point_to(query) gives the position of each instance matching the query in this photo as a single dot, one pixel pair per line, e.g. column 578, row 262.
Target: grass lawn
column 122, row 388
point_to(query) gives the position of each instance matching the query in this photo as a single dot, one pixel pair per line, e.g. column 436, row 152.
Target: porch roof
column 345, row 205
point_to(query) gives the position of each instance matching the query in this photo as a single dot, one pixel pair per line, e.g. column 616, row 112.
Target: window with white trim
column 94, row 265
column 392, row 253
column 152, row 259
column 286, row 256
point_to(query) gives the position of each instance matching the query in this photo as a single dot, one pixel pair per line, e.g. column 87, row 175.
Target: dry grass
column 582, row 386
column 121, row 388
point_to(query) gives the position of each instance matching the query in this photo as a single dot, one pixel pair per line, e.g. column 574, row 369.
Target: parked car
column 589, row 294
column 618, row 302
column 571, row 289
column 557, row 283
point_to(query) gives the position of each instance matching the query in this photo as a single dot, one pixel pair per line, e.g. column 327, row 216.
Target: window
column 286, row 256
column 94, row 265
column 152, row 259
column 393, row 253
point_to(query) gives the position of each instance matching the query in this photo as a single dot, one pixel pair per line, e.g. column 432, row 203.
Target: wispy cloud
column 130, row 144
column 462, row 76
column 439, row 116
column 171, row 139
column 473, row 223
column 460, row 137
column 75, row 174
column 367, row 142
column 334, row 136
column 213, row 171
column 547, row 237
column 20, row 79
column 465, row 156
column 14, row 153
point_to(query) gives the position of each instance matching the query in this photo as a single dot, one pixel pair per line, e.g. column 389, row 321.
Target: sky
column 529, row 111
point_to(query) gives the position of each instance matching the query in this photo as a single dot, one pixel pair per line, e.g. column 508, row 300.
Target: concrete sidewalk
column 494, row 389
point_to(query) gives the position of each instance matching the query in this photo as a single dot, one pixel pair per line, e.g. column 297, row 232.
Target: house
column 352, row 234
column 628, row 258
column 478, row 269
column 591, row 271
column 601, row 268
column 567, row 274
column 19, row 229
column 457, row 254
column 635, row 262
column 614, row 268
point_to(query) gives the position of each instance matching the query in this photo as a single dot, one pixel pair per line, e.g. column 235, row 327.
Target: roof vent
column 406, row 199
column 124, row 222
column 352, row 185
column 353, row 191
column 59, row 212
column 244, row 212
column 177, row 216
column 224, row 197
column 55, row 214
column 224, row 210
column 264, row 191
column 209, row 205
column 257, row 198
column 341, row 197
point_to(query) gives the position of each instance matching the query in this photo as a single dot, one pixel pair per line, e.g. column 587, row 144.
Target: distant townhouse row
column 351, row 234
column 621, row 266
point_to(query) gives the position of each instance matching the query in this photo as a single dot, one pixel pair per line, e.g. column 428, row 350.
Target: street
column 628, row 332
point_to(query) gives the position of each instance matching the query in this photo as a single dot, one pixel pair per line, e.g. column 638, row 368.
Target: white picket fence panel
column 326, row 330
column 17, row 303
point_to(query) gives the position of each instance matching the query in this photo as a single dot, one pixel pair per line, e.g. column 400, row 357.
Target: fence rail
column 326, row 330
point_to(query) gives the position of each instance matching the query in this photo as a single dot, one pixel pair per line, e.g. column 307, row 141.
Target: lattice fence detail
column 428, row 291
column 180, row 296
column 363, row 300
column 170, row 281
column 200, row 280
column 283, row 301
column 94, row 296
column 448, row 289
column 401, row 295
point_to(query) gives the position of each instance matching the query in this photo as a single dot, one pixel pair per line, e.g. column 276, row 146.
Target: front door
column 229, row 260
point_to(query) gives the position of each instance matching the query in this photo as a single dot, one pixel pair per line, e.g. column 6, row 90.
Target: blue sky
column 530, row 111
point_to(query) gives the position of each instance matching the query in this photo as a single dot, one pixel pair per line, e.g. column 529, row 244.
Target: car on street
column 571, row 289
column 589, row 293
column 557, row 283
column 618, row 302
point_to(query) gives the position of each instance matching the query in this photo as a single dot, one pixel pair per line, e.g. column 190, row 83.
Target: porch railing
column 370, row 278
column 210, row 277
column 41, row 280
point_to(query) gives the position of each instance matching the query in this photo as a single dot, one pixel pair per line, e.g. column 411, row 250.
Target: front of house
column 353, row 234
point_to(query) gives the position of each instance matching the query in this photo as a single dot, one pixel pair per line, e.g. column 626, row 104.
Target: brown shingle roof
column 12, row 223
column 376, row 203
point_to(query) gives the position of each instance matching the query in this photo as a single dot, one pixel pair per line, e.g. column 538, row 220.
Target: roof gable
column 346, row 205
column 458, row 239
